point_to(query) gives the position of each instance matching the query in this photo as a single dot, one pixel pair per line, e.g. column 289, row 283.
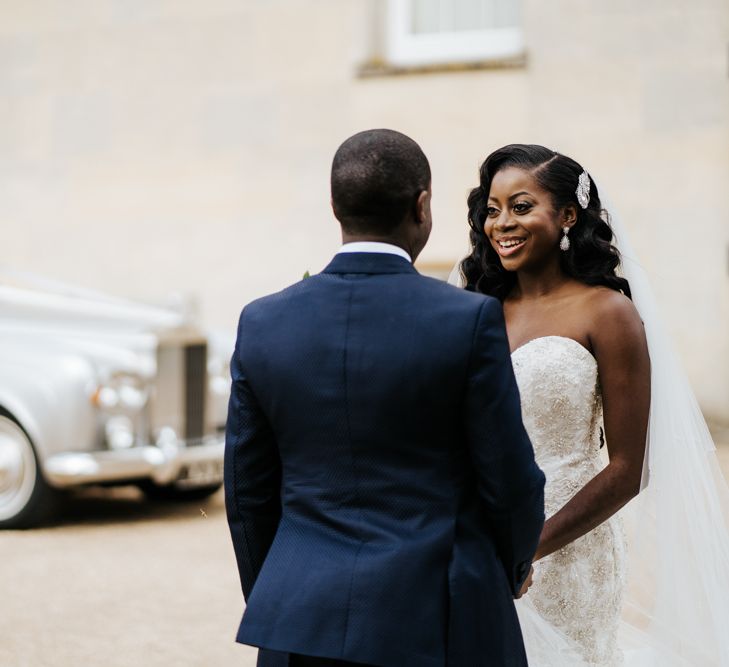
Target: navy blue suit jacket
column 381, row 491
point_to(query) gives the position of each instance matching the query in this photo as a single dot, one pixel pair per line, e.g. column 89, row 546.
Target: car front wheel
column 25, row 498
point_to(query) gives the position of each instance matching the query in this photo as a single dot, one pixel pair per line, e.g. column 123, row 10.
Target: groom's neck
column 371, row 238
column 376, row 238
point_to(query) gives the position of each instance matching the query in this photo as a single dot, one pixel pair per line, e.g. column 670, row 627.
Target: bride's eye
column 522, row 207
column 491, row 212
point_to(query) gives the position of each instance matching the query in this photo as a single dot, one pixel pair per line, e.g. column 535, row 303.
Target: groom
column 381, row 491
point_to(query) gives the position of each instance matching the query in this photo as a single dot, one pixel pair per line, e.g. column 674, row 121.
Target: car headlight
column 121, row 393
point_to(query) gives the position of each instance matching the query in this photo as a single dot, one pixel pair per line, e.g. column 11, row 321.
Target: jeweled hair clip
column 583, row 189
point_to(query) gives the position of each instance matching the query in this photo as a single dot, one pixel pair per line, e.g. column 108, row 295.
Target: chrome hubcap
column 17, row 469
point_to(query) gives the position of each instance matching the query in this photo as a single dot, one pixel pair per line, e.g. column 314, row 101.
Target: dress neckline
column 564, row 338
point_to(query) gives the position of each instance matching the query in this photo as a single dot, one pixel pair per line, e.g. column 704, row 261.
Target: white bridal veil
column 676, row 610
column 678, row 591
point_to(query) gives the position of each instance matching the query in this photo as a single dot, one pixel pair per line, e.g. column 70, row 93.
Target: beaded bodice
column 562, row 412
column 578, row 589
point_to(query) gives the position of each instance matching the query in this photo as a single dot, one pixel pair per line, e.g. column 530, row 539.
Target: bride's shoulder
column 606, row 300
column 609, row 302
column 612, row 314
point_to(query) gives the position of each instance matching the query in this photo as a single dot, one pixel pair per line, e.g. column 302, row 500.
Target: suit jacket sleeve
column 511, row 485
column 252, row 474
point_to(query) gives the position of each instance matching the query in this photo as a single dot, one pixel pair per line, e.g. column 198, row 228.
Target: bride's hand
column 527, row 583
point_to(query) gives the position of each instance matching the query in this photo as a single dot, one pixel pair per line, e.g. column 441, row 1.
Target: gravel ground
column 119, row 581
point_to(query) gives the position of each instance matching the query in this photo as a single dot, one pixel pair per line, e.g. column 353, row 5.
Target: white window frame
column 403, row 48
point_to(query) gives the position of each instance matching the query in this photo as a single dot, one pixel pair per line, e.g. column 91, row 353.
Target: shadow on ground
column 99, row 505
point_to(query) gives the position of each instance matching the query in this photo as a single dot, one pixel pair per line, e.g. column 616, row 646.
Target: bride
column 648, row 585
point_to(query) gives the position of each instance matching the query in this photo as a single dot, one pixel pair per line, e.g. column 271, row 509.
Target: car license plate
column 201, row 473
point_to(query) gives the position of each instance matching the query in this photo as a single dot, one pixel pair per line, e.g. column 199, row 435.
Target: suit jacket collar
column 369, row 262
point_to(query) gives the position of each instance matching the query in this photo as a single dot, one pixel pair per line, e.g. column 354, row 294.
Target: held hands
column 527, row 583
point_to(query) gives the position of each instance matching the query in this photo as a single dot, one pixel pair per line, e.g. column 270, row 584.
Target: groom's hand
column 527, row 583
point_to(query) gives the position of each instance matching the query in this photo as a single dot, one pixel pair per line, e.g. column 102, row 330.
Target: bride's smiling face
column 521, row 223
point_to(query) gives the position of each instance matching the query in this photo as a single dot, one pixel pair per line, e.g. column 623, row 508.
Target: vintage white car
column 99, row 390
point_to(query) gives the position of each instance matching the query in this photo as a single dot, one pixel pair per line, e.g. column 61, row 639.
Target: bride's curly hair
column 591, row 258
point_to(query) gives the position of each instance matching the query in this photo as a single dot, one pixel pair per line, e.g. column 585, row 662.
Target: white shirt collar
column 375, row 246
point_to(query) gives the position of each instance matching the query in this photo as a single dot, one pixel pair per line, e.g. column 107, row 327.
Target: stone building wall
column 179, row 146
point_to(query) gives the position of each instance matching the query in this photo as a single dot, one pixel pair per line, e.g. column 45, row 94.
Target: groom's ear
column 334, row 210
column 422, row 207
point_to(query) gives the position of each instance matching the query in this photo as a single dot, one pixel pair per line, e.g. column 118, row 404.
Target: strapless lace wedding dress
column 571, row 614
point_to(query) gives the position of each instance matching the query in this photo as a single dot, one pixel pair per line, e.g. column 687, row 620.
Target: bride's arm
column 619, row 345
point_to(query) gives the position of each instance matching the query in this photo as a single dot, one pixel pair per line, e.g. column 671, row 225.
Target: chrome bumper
column 187, row 465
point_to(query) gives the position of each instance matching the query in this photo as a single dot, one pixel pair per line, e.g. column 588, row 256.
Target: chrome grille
column 195, row 386
column 180, row 392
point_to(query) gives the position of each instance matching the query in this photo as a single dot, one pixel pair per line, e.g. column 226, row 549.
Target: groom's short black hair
column 377, row 176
